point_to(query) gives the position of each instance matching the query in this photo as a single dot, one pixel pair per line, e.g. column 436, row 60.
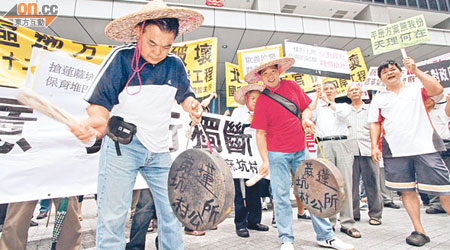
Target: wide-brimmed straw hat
column 239, row 96
column 283, row 63
column 123, row 29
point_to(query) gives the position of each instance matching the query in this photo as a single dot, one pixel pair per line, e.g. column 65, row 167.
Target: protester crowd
column 367, row 140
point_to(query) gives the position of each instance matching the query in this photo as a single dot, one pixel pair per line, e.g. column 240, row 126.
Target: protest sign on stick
column 399, row 35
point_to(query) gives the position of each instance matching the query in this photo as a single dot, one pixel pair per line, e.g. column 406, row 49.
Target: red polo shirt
column 284, row 131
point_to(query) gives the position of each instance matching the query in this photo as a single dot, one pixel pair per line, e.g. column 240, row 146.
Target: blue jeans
column 45, row 205
column 116, row 178
column 280, row 180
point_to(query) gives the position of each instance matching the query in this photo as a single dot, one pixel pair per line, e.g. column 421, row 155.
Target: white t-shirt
column 407, row 127
column 241, row 113
column 440, row 120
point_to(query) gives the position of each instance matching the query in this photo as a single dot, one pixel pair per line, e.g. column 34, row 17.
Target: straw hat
column 122, row 29
column 283, row 63
column 239, row 96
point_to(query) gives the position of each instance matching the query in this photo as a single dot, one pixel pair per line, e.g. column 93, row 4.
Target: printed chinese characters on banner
column 233, row 83
column 16, row 44
column 251, row 58
column 200, row 59
column 358, row 71
column 399, row 35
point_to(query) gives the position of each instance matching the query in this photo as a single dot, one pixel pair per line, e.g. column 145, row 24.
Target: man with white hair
column 332, row 132
column 363, row 165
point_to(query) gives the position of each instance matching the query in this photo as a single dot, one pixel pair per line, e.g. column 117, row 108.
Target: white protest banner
column 316, row 60
column 250, row 58
column 41, row 158
column 372, row 81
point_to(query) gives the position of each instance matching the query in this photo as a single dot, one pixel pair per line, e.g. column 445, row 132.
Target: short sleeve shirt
column 407, row 127
column 284, row 130
column 146, row 103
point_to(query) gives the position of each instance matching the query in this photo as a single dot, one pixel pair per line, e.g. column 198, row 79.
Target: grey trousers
column 369, row 170
column 386, row 194
column 17, row 223
column 339, row 154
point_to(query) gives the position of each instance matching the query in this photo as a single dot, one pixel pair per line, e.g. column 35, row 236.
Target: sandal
column 374, row 221
column 417, row 239
column 194, row 232
column 352, row 232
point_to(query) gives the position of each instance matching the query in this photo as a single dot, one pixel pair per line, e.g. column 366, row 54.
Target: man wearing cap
column 139, row 82
column 332, row 131
column 410, row 144
column 247, row 202
column 281, row 144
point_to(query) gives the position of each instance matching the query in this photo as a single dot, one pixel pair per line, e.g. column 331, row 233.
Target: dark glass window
column 379, row 1
column 401, row 2
column 433, row 4
column 412, row 3
column 423, row 4
column 390, row 2
column 443, row 5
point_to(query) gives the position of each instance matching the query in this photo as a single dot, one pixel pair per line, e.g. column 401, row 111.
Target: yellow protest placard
column 200, row 59
column 16, row 43
column 305, row 81
column 232, row 83
column 399, row 35
column 251, row 58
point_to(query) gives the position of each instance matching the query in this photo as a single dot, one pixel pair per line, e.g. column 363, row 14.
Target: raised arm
column 433, row 86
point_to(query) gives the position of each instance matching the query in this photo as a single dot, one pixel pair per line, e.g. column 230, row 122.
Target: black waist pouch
column 120, row 131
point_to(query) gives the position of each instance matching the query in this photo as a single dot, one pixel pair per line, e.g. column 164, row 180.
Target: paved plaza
column 390, row 235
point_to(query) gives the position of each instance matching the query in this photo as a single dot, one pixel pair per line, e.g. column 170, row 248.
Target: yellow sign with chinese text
column 16, row 43
column 305, row 81
column 399, row 35
column 232, row 83
column 200, row 59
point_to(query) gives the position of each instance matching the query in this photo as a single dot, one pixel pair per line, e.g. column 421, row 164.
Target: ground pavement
column 390, row 235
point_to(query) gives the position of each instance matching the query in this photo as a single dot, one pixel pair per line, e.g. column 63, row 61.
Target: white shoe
column 363, row 205
column 287, row 246
column 336, row 243
column 264, row 205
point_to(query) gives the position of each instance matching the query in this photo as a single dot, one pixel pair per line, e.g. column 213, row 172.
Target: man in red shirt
column 281, row 144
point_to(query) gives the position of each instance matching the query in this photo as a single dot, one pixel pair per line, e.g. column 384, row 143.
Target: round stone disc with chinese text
column 320, row 186
column 201, row 189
